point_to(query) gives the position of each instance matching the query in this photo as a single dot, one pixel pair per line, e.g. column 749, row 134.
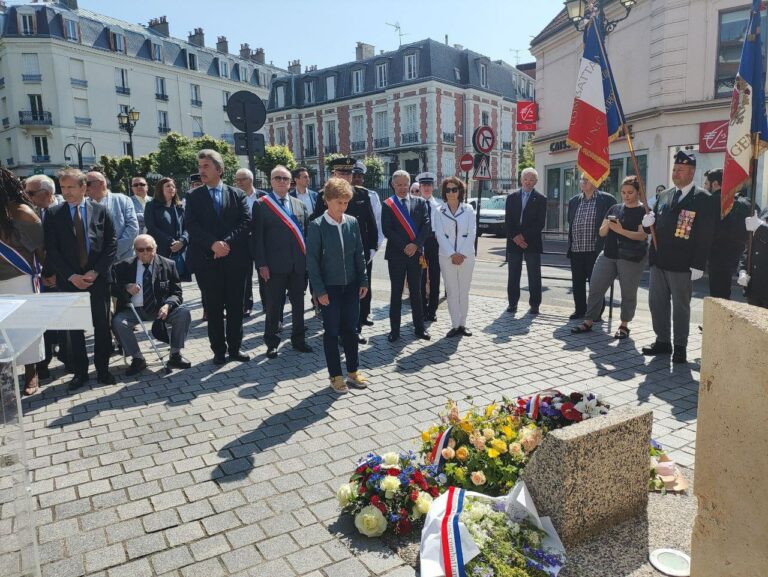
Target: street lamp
column 581, row 11
column 79, row 146
column 128, row 122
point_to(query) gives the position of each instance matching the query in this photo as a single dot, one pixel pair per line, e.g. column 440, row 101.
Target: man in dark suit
column 217, row 222
column 525, row 216
column 360, row 207
column 684, row 216
column 586, row 213
column 406, row 224
column 81, row 245
column 151, row 283
column 430, row 277
column 278, row 247
column 755, row 280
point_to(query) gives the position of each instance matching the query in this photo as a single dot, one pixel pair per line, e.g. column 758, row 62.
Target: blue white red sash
column 436, row 455
column 13, row 258
column 450, row 537
column 402, row 216
column 283, row 215
column 532, row 407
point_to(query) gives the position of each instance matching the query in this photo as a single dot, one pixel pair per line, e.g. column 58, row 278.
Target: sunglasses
column 33, row 191
column 90, row 182
column 144, row 248
column 139, row 184
column 282, row 178
column 451, row 189
column 342, row 171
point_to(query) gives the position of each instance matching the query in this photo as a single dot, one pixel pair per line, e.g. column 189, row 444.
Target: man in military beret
column 358, row 176
column 359, row 207
column 430, row 280
column 684, row 216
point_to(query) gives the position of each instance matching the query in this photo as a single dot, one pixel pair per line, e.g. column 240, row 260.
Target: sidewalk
column 232, row 471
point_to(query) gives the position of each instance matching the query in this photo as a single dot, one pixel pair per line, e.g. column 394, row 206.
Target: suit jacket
column 361, row 208
column 397, row 238
column 61, row 244
column 139, row 208
column 758, row 282
column 162, row 228
column 312, row 195
column 273, row 244
column 604, row 202
column 205, row 227
column 126, row 224
column 533, row 222
column 165, row 282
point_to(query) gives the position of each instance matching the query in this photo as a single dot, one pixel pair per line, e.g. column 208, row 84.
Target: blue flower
column 394, row 518
column 442, row 479
column 655, row 445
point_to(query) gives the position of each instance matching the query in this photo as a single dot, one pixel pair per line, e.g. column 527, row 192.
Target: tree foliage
column 274, row 155
column 374, row 174
column 525, row 157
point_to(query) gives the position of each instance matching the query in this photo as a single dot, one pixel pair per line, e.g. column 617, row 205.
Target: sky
column 326, row 33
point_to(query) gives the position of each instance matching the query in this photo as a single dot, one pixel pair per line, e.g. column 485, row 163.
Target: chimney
column 258, row 56
column 294, row 67
column 3, row 7
column 245, row 51
column 446, row 40
column 458, row 47
column 363, row 51
column 222, row 45
column 312, row 68
column 197, row 38
column 159, row 25
column 71, row 4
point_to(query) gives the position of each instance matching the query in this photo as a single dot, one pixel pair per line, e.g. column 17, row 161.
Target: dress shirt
column 306, row 199
column 684, row 191
column 524, row 198
column 329, row 219
column 138, row 298
column 284, row 202
column 250, row 200
column 84, row 216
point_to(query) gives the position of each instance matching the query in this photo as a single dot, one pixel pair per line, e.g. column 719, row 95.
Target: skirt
column 22, row 285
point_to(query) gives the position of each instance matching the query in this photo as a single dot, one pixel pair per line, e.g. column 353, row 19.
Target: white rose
column 390, row 460
column 346, row 493
column 389, row 484
column 423, row 503
column 370, row 522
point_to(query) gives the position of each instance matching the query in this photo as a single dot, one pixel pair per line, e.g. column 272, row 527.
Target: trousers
column 664, row 285
column 582, row 264
column 274, row 291
column 340, row 320
column 607, row 270
column 430, row 278
column 224, row 287
column 399, row 269
column 124, row 322
column 514, row 271
column 365, row 303
column 457, row 280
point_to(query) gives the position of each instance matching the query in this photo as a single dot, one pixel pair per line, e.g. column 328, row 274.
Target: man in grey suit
column 278, row 227
column 120, row 208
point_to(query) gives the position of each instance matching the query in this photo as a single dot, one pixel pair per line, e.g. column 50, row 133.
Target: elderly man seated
column 151, row 283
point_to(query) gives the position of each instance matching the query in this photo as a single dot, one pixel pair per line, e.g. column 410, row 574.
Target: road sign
column 484, row 139
column 482, row 167
column 246, row 111
column 256, row 144
column 467, row 162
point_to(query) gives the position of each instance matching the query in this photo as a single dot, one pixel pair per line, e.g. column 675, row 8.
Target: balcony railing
column 161, row 96
column 40, row 158
column 28, row 117
column 82, row 121
column 409, row 137
column 195, row 102
column 2, row 81
column 331, row 148
column 449, row 137
column 357, row 145
column 6, row 123
column 310, row 152
column 197, row 134
column 506, row 145
column 163, row 129
column 9, row 161
column 89, row 160
column 227, row 137
column 32, row 77
column 381, row 142
column 78, row 83
column 122, row 90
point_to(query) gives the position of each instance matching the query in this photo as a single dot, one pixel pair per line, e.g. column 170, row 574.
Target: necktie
column 405, row 206
column 282, row 202
column 524, row 203
column 148, row 291
column 216, row 201
column 82, row 252
column 676, row 197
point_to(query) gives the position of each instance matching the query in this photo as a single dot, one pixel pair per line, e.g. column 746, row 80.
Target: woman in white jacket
column 455, row 230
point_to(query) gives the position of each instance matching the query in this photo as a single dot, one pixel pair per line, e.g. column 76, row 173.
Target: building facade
column 66, row 73
column 415, row 107
column 674, row 64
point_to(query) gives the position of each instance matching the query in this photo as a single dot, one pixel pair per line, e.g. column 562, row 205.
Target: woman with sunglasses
column 454, row 227
column 623, row 257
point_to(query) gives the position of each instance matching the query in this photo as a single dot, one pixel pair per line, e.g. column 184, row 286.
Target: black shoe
column 302, row 347
column 247, row 313
column 106, row 378
column 271, row 352
column 392, row 337
column 219, row 359
column 77, row 382
column 367, row 322
column 455, row 332
column 576, row 315
column 431, row 318
column 238, row 356
column 679, row 355
column 658, row 348
column 465, row 331
column 137, row 365
column 423, row 335
column 361, row 340
column 512, row 309
column 178, row 362
column 43, row 372
column 533, row 311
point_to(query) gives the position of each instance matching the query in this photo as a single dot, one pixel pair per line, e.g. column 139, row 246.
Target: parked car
column 491, row 215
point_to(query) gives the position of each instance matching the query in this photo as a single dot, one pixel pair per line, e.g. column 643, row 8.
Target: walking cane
column 166, row 368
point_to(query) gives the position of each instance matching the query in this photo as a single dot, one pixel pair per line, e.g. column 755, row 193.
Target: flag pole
column 753, row 193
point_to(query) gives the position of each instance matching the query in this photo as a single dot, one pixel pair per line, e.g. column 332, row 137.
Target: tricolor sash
column 402, row 216
column 283, row 215
column 450, row 536
column 436, row 455
column 532, row 407
column 13, row 258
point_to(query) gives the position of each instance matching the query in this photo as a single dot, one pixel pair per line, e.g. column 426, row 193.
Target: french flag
column 597, row 116
column 747, row 128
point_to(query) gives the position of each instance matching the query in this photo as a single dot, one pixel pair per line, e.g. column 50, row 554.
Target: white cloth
column 455, row 233
column 250, row 200
column 329, row 219
column 306, row 199
column 457, row 279
column 376, row 205
column 685, row 190
column 22, row 285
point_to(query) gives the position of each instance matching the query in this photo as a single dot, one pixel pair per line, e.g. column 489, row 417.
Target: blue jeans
column 340, row 320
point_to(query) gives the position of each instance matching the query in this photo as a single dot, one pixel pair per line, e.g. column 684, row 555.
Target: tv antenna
column 517, row 55
column 399, row 31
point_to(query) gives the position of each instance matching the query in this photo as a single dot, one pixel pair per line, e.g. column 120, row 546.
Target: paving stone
column 171, row 559
column 209, row 547
column 184, row 533
column 347, row 568
column 221, row 522
column 124, row 531
column 160, row 520
column 58, row 530
column 98, row 519
column 168, row 500
column 104, row 558
column 210, row 568
column 241, row 559
column 145, row 545
column 84, row 542
column 71, row 567
column 276, row 568
column 140, row 568
column 308, row 559
column 244, row 535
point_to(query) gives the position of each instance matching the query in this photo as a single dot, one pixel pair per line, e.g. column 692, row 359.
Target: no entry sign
column 467, row 162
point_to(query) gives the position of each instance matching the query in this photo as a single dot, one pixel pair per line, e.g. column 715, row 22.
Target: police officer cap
column 195, row 177
column 685, row 158
column 343, row 163
column 359, row 168
column 426, row 178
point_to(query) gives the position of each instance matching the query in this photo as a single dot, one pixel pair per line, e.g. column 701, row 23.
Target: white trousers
column 457, row 279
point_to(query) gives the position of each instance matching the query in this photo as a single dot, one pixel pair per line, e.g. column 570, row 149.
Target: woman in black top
column 623, row 257
column 164, row 219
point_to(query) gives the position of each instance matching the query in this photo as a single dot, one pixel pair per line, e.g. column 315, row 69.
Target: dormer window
column 411, row 67
column 192, row 61
column 357, row 81
column 457, row 74
column 117, row 42
column 484, row 75
column 330, row 87
column 309, row 91
column 27, row 24
column 157, row 52
column 280, row 96
column 71, row 30
column 223, row 69
column 382, row 74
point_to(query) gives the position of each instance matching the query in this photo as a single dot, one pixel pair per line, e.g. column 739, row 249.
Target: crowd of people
column 132, row 253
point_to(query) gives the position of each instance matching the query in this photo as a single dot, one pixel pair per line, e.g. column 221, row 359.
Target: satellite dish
column 246, row 111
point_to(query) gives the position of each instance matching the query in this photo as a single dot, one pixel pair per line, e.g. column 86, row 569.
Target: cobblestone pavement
column 233, row 470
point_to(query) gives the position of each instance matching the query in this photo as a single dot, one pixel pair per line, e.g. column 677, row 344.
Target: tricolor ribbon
column 532, row 407
column 437, row 450
column 402, row 216
column 450, row 536
column 283, row 215
column 17, row 261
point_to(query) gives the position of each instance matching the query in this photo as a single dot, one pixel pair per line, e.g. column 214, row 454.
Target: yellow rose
column 425, row 436
column 460, row 473
column 423, row 503
column 499, row 445
column 462, row 453
column 493, row 453
column 465, row 426
column 488, row 434
column 489, row 411
column 345, row 493
column 509, row 432
column 370, row 522
column 390, row 460
column 389, row 484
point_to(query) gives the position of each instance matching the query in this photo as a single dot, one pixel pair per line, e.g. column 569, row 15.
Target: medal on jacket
column 684, row 224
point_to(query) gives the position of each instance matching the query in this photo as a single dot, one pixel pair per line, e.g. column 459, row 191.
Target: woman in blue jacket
column 336, row 265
